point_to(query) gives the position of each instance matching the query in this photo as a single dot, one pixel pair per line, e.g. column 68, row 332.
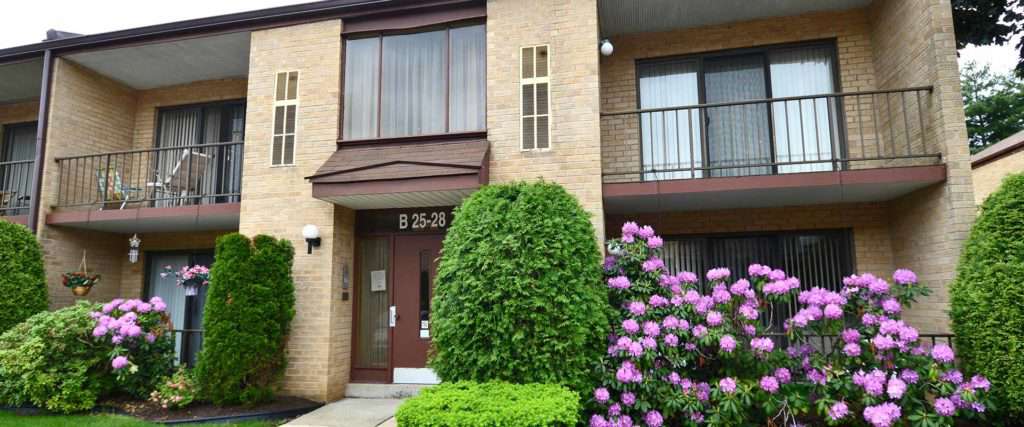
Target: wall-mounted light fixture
column 133, row 248
column 312, row 236
column 606, row 47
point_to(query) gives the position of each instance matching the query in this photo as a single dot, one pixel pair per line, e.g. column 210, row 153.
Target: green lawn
column 9, row 419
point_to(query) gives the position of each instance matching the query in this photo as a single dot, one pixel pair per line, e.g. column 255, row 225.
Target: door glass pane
column 670, row 139
column 804, row 129
column 164, row 285
column 362, row 80
column 374, row 301
column 426, row 259
column 738, row 134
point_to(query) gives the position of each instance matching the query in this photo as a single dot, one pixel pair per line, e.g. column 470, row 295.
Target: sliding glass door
column 218, row 179
column 741, row 138
column 16, row 155
column 186, row 312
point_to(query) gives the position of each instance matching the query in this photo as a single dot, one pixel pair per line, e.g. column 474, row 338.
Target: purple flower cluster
column 126, row 324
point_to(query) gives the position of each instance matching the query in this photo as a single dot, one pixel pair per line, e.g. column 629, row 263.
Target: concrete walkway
column 351, row 413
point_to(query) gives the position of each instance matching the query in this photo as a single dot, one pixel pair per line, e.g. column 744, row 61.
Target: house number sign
column 415, row 220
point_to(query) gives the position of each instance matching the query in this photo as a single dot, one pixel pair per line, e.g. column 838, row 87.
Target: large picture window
column 739, row 138
column 424, row 83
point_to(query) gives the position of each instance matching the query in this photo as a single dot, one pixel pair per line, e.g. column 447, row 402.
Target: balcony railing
column 828, row 132
column 160, row 177
column 15, row 187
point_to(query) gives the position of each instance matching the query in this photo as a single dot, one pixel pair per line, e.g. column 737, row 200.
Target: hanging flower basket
column 190, row 278
column 81, row 282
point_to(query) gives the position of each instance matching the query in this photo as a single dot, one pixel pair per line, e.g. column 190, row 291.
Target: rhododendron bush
column 686, row 353
column 140, row 347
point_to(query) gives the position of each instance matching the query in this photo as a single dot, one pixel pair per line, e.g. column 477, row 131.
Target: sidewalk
column 351, row 412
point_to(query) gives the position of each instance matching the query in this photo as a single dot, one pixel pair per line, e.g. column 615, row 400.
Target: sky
column 27, row 21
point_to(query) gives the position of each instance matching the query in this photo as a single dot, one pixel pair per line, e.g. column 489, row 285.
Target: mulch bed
column 281, row 407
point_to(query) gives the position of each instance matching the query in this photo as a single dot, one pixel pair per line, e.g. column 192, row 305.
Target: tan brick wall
column 850, row 29
column 149, row 101
column 989, row 176
column 574, row 160
column 915, row 45
column 89, row 114
column 869, row 222
column 278, row 201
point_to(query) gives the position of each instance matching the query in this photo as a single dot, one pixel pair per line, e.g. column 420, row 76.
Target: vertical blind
column 739, row 137
column 421, row 83
column 819, row 258
column 19, row 144
column 193, row 126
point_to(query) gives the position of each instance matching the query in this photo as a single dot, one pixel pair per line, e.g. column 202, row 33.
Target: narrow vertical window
column 534, row 87
column 285, row 105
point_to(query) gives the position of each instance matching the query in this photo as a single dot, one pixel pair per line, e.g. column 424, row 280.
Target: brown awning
column 381, row 176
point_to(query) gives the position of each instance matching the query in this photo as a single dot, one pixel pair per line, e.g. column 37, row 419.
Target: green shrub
column 22, row 279
column 519, row 292
column 176, row 391
column 51, row 361
column 987, row 297
column 469, row 404
column 249, row 307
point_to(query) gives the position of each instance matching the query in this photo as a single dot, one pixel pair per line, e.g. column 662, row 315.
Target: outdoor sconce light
column 606, row 47
column 133, row 248
column 312, row 236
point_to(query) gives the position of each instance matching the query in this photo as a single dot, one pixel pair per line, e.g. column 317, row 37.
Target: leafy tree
column 22, row 279
column 993, row 104
column 519, row 295
column 985, row 297
column 249, row 309
column 988, row 22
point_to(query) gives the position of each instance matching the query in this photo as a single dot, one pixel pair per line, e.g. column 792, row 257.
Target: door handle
column 392, row 316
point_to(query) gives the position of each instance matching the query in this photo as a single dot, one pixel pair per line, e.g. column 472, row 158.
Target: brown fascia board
column 220, row 23
column 996, row 151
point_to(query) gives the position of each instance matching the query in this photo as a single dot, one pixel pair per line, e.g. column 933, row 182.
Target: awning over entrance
column 382, row 176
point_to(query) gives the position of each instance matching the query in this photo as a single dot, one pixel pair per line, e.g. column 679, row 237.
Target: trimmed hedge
column 22, row 278
column 249, row 308
column 987, row 297
column 469, row 404
column 519, row 293
column 51, row 361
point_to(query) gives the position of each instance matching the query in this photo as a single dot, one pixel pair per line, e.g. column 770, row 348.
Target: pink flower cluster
column 195, row 275
column 126, row 324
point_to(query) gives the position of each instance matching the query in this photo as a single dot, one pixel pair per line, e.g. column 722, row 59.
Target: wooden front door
column 415, row 265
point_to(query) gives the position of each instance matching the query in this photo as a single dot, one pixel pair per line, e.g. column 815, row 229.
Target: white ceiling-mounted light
column 606, row 47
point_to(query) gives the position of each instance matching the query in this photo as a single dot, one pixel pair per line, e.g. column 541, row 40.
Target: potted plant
column 189, row 277
column 81, row 282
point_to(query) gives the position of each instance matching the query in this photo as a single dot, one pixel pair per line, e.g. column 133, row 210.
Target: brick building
column 991, row 165
column 824, row 137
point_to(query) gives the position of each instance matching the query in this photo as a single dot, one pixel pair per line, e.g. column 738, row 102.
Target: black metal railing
column 829, row 344
column 159, row 177
column 828, row 132
column 15, row 187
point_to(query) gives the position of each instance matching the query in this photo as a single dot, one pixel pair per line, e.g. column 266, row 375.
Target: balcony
column 828, row 148
column 194, row 187
column 15, row 187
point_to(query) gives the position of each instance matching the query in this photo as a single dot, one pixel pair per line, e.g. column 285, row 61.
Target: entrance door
column 415, row 267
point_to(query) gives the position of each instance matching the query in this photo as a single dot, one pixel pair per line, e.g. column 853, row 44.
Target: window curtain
column 19, row 145
column 362, row 81
column 413, row 84
column 805, row 130
column 670, row 139
column 167, row 289
column 178, row 128
column 468, row 79
column 737, row 135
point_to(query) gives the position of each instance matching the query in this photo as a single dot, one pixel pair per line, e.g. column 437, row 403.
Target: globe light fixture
column 606, row 47
column 312, row 236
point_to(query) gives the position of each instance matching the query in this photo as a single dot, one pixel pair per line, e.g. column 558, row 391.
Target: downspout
column 42, row 122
